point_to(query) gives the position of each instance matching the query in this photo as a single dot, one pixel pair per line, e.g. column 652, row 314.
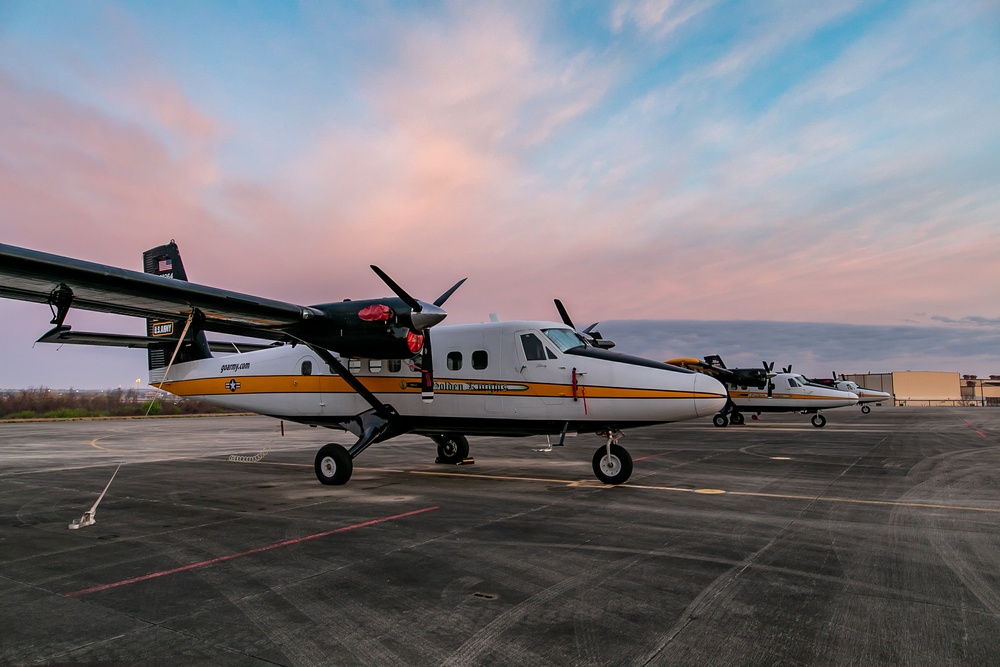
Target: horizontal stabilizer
column 66, row 337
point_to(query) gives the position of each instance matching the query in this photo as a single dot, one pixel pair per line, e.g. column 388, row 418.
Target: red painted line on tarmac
column 222, row 559
column 653, row 456
column 981, row 434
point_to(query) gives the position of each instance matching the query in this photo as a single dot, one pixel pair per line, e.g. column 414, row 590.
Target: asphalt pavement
column 872, row 541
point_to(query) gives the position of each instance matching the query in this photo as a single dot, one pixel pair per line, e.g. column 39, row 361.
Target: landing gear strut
column 612, row 462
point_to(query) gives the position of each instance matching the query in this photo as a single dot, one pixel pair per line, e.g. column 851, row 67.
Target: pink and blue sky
column 701, row 164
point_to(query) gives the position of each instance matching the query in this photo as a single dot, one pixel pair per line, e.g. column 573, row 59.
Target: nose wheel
column 612, row 462
column 818, row 420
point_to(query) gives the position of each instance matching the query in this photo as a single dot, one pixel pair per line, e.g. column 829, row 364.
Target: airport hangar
column 933, row 388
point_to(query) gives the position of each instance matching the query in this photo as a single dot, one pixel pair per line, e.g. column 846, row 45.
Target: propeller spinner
column 422, row 317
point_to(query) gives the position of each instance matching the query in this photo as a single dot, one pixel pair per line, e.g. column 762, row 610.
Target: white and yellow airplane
column 367, row 366
column 757, row 390
column 865, row 395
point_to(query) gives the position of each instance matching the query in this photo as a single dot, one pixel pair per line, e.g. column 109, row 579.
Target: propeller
column 422, row 317
column 788, row 369
column 768, row 373
column 592, row 336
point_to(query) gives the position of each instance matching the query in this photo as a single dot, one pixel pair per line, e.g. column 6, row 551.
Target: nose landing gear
column 612, row 462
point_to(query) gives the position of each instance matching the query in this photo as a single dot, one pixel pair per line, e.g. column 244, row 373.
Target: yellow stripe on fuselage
column 762, row 394
column 329, row 384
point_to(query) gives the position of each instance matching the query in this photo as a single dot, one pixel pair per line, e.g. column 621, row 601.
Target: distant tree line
column 34, row 403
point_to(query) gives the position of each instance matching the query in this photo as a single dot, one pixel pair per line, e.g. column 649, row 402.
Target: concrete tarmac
column 873, row 541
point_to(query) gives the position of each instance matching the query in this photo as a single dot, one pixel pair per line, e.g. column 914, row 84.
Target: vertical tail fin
column 165, row 260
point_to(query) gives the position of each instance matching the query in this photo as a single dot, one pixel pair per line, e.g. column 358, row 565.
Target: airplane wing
column 29, row 275
column 754, row 377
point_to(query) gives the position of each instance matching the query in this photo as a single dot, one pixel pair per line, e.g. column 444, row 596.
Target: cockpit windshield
column 564, row 339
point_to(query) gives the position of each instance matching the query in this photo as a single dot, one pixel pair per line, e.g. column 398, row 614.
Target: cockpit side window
column 792, row 382
column 533, row 348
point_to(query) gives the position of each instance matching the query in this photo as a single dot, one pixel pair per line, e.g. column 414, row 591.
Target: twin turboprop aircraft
column 368, row 366
column 758, row 390
column 865, row 395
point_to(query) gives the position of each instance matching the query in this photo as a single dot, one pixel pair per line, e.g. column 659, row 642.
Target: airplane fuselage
column 790, row 392
column 497, row 378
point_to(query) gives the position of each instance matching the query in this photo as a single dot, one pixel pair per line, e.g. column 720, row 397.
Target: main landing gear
column 452, row 449
column 736, row 418
column 612, row 462
column 334, row 465
column 865, row 409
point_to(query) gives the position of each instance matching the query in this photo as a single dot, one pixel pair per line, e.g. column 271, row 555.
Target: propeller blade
column 397, row 290
column 427, row 370
column 444, row 297
column 597, row 334
column 422, row 315
column 564, row 315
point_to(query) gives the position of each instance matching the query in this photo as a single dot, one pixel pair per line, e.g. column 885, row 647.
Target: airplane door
column 539, row 365
column 306, row 389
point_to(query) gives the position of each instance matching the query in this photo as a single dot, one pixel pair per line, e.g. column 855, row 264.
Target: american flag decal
column 164, row 264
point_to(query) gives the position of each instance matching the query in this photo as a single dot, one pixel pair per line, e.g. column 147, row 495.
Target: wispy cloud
column 688, row 160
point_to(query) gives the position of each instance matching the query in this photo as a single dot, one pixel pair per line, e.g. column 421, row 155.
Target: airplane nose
column 711, row 395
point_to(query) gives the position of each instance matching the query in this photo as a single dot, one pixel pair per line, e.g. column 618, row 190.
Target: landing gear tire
column 613, row 469
column 333, row 465
column 720, row 420
column 819, row 421
column 865, row 409
column 452, row 449
column 737, row 418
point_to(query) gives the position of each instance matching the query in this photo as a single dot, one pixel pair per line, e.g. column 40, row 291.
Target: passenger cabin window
column 375, row 365
column 454, row 361
column 395, row 365
column 480, row 359
column 533, row 348
column 354, row 365
column 307, row 367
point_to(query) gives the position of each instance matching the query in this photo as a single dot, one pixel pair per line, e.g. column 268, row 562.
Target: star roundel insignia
column 232, row 385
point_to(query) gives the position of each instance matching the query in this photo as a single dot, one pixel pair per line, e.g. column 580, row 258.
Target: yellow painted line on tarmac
column 93, row 443
column 855, row 501
column 594, row 484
